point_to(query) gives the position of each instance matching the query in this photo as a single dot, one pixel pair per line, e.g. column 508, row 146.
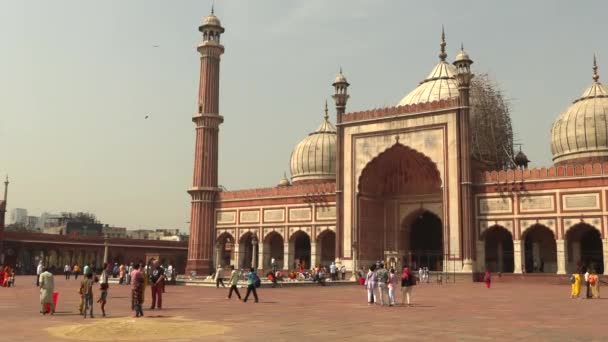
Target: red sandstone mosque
column 400, row 184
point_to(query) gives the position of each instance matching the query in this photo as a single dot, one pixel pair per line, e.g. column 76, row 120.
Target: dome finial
column 326, row 111
column 596, row 77
column 443, row 55
column 212, row 6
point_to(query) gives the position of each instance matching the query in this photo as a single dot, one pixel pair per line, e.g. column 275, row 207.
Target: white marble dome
column 580, row 133
column 314, row 158
column 440, row 84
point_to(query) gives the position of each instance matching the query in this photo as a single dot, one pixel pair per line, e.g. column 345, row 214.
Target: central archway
column 394, row 178
column 424, row 233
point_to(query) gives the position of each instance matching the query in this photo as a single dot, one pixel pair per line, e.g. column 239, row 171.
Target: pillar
column 605, row 254
column 236, row 258
column 106, row 251
column 313, row 254
column 355, row 264
column 254, row 252
column 481, row 256
column 286, row 259
column 207, row 121
column 562, row 256
column 261, row 258
column 517, row 257
column 218, row 253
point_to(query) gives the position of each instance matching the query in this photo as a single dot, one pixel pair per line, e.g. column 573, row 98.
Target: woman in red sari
column 7, row 275
column 487, row 278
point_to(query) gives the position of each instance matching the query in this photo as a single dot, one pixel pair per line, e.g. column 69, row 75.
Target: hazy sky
column 77, row 78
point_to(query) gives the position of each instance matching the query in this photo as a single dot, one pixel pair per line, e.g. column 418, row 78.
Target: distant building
column 48, row 220
column 74, row 229
column 32, row 222
column 19, row 216
column 114, row 232
column 156, row 234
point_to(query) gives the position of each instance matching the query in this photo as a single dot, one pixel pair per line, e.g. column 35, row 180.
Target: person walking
column 103, row 288
column 382, row 275
column 332, row 270
column 137, row 291
column 575, row 281
column 86, row 270
column 39, row 271
column 66, row 271
column 587, row 284
column 234, row 280
column 129, row 270
column 392, row 286
column 370, row 285
column 157, row 278
column 219, row 272
column 407, row 281
column 47, row 287
column 487, row 278
column 76, row 270
column 86, row 291
column 252, row 282
column 343, row 272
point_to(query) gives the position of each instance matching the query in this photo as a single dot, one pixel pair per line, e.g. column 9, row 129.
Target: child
column 392, row 284
column 86, row 293
column 487, row 278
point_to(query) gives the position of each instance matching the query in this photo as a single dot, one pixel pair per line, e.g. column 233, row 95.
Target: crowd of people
column 381, row 285
column 138, row 275
column 591, row 281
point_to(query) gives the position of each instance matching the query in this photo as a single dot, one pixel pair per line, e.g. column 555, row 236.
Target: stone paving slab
column 452, row 312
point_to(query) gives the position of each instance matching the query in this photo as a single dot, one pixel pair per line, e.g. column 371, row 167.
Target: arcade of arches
column 387, row 184
column 299, row 251
column 539, row 252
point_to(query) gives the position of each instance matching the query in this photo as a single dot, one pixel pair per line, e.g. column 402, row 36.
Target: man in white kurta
column 47, row 286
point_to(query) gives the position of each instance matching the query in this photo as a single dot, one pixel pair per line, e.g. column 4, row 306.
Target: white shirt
column 586, row 276
column 39, row 269
column 66, row 268
column 332, row 268
column 218, row 273
column 103, row 279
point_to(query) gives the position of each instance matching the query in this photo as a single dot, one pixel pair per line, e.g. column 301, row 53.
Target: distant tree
column 16, row 227
column 492, row 134
column 79, row 217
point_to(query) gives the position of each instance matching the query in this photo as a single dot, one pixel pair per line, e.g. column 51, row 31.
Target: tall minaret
column 463, row 78
column 207, row 120
column 340, row 96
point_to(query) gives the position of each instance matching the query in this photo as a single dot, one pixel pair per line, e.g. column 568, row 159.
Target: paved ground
column 454, row 312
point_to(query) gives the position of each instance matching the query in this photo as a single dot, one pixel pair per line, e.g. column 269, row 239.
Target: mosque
column 401, row 184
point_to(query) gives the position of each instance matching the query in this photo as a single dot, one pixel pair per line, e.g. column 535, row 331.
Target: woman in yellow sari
column 576, row 285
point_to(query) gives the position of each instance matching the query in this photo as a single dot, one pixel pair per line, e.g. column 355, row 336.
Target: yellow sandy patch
column 140, row 329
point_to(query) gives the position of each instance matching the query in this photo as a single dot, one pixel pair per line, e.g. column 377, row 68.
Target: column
column 355, row 264
column 262, row 262
column 106, row 250
column 517, row 256
column 286, row 259
column 562, row 256
column 254, row 252
column 605, row 252
column 236, row 259
column 313, row 254
column 218, row 254
column 481, row 256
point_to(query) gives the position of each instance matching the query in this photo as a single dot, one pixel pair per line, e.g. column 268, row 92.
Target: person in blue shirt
column 251, row 280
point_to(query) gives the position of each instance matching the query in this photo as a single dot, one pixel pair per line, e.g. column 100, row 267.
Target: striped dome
column 440, row 84
column 314, row 158
column 580, row 133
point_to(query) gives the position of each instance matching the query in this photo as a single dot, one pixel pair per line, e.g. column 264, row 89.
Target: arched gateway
column 394, row 189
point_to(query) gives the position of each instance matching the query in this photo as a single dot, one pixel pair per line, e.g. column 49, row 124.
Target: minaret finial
column 443, row 55
column 340, row 69
column 212, row 7
column 596, row 77
column 326, row 111
column 461, row 46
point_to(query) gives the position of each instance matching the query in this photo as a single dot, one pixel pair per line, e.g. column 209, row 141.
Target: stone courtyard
column 450, row 312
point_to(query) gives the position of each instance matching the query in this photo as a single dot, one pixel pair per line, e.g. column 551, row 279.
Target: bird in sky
column 155, row 46
column 147, row 116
